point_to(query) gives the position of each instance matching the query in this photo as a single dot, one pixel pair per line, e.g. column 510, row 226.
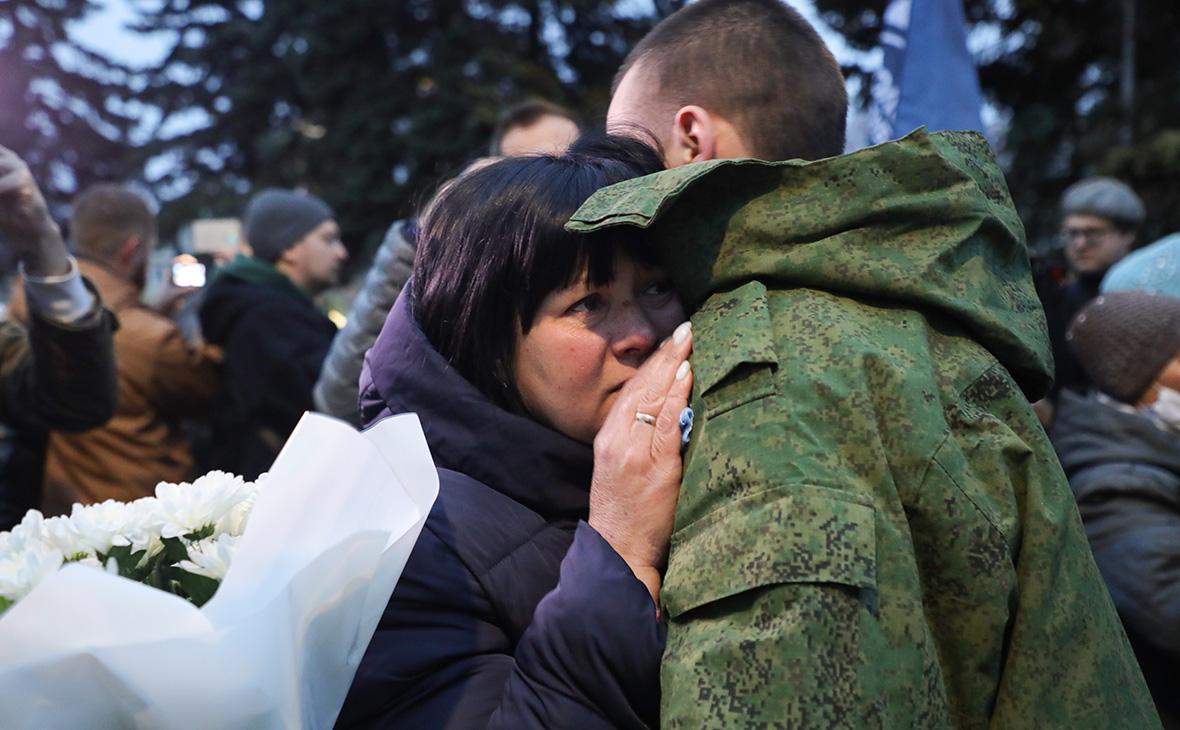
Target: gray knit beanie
column 277, row 219
column 1104, row 197
column 1124, row 340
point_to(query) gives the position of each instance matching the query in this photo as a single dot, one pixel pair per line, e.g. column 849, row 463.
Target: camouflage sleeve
column 771, row 590
column 780, row 638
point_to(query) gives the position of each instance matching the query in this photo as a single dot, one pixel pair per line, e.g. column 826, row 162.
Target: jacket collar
column 117, row 292
column 1095, row 429
column 514, row 455
column 256, row 271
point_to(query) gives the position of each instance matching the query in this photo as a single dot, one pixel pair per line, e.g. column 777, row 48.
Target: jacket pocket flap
column 798, row 534
column 737, row 327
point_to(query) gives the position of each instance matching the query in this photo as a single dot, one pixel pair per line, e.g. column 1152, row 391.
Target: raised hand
column 637, row 461
column 25, row 223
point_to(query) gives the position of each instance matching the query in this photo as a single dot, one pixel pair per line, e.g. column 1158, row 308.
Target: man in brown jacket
column 162, row 378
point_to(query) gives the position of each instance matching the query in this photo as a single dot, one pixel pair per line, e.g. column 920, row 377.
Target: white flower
column 210, row 557
column 62, row 534
column 234, row 521
column 144, row 523
column 185, row 508
column 21, row 572
column 99, row 527
column 30, row 531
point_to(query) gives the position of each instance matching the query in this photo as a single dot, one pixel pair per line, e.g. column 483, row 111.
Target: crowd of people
column 1114, row 412
column 732, row 429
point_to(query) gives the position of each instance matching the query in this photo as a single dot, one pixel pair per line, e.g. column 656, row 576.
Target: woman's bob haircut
column 493, row 245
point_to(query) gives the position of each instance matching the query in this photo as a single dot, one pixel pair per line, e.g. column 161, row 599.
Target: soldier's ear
column 693, row 138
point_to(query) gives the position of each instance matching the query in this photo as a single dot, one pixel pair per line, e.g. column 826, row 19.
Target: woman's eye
column 659, row 288
column 586, row 304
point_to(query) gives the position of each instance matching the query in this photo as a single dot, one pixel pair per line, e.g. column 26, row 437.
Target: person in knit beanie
column 1120, row 448
column 260, row 311
column 277, row 219
column 295, row 232
column 1125, row 341
column 1100, row 220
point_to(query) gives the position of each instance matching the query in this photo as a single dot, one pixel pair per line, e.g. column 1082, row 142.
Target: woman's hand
column 637, row 463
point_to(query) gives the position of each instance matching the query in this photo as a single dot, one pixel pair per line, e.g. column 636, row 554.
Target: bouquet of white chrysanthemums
column 180, row 540
column 221, row 603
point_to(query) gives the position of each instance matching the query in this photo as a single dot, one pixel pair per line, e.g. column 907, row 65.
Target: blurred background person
column 1100, row 220
column 60, row 373
column 260, row 310
column 532, row 127
column 162, row 379
column 1120, row 447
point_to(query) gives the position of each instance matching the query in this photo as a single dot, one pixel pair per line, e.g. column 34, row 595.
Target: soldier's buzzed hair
column 759, row 64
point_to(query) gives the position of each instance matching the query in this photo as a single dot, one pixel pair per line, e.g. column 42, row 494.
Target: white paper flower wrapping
column 307, row 564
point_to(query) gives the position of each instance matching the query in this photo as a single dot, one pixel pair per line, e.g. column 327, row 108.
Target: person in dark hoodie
column 1120, row 447
column 529, row 599
column 259, row 309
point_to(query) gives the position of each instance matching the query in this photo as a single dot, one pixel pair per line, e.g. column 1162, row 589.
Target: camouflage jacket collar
column 923, row 222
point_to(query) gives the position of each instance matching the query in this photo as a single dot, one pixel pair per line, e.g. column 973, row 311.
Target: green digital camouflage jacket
column 873, row 530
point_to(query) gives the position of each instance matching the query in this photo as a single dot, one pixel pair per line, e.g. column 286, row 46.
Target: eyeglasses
column 1093, row 234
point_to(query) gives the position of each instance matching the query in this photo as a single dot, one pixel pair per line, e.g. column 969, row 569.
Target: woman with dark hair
column 532, row 357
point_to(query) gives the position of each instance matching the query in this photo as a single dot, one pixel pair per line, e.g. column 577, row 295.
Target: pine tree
column 1054, row 70
column 365, row 102
column 62, row 107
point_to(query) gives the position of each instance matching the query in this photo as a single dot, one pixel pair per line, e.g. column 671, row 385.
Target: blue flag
column 928, row 76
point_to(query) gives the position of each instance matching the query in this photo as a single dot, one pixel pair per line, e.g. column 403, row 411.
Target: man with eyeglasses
column 1100, row 220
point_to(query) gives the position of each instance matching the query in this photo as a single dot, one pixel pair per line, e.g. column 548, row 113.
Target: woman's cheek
column 667, row 317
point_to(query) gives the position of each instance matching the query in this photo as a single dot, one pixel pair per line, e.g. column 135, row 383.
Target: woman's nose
column 635, row 335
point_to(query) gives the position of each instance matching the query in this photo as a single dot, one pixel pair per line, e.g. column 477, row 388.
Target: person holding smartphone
column 162, row 379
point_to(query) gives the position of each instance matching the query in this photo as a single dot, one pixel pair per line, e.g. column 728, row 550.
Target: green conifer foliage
column 368, row 103
column 1053, row 68
column 62, row 107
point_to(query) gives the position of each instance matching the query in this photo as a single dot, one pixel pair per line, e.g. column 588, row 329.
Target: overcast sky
column 104, row 31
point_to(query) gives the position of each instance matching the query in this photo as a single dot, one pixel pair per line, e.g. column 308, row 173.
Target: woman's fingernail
column 681, row 333
column 682, row 371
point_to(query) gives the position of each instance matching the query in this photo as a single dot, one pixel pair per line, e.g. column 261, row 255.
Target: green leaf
column 127, row 561
column 5, row 603
column 174, row 550
column 196, row 588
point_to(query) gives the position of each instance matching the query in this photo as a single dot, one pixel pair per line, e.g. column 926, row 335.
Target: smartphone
column 188, row 274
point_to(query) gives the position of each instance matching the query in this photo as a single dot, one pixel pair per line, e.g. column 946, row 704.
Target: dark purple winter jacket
column 512, row 612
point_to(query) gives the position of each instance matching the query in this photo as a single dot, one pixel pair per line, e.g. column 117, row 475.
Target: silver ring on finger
column 647, row 418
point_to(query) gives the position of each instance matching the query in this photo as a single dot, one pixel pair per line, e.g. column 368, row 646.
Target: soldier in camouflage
column 873, row 530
